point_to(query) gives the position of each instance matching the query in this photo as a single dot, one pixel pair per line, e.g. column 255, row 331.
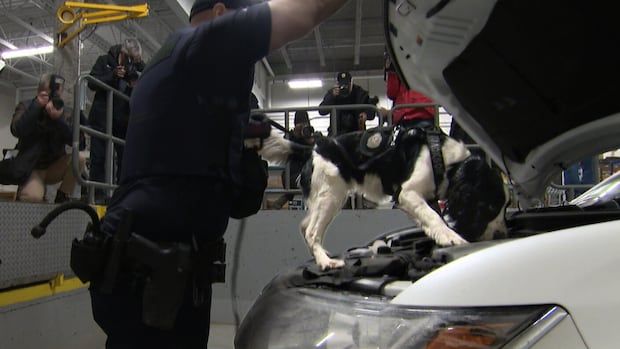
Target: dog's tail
column 278, row 150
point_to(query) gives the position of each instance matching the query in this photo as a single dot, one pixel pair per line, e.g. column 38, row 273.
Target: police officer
column 183, row 146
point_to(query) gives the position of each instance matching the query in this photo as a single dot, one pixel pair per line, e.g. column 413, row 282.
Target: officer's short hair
column 132, row 47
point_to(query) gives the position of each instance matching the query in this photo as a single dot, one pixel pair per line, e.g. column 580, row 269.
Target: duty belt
column 164, row 270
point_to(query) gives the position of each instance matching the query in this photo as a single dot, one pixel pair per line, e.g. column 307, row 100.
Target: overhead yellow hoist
column 84, row 14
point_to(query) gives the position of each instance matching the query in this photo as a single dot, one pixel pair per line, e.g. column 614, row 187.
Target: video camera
column 56, row 83
column 306, row 131
column 131, row 73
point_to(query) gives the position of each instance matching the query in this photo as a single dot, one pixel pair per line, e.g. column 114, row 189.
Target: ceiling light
column 298, row 84
column 27, row 52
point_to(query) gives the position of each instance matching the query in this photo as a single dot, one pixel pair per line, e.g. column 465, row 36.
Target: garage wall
column 7, row 105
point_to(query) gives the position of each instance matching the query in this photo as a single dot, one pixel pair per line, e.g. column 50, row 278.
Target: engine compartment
column 398, row 258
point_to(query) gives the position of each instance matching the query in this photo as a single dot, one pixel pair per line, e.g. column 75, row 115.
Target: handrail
column 111, row 139
column 79, row 97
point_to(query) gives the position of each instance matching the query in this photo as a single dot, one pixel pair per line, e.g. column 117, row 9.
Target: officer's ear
column 219, row 9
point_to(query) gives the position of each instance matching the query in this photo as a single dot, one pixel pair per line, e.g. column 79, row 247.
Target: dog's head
column 477, row 200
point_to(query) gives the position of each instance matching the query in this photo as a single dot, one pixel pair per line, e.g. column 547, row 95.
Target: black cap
column 344, row 77
column 301, row 116
column 202, row 5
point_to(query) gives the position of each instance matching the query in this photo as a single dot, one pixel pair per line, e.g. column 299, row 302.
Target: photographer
column 346, row 92
column 43, row 134
column 120, row 68
column 302, row 133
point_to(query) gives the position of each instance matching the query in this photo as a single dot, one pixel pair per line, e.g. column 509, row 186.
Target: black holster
column 164, row 270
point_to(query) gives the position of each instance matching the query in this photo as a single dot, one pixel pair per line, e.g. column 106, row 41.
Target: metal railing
column 79, row 101
column 108, row 183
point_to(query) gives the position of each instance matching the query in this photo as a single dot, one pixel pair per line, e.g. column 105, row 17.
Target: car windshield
column 605, row 191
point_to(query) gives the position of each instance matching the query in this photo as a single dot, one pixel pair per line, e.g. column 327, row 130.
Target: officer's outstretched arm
column 293, row 19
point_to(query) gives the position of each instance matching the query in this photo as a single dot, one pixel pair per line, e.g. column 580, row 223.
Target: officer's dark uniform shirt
column 188, row 111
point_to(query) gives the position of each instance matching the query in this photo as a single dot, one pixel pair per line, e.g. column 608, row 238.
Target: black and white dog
column 475, row 193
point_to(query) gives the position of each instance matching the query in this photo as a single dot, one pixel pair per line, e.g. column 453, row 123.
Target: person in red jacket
column 398, row 92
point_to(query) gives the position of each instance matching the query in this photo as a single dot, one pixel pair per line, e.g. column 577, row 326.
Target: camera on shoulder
column 307, row 131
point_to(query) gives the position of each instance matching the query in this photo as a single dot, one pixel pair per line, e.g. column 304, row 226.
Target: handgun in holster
column 102, row 259
column 105, row 259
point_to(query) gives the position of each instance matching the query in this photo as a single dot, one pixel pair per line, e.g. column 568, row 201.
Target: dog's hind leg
column 433, row 225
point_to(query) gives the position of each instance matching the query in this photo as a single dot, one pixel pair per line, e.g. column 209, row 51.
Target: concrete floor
column 65, row 321
column 221, row 336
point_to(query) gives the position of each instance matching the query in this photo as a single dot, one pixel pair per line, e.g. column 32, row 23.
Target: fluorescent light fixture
column 298, row 84
column 27, row 52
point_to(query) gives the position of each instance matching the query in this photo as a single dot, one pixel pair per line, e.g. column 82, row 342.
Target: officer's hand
column 52, row 112
column 119, row 71
column 336, row 91
column 43, row 98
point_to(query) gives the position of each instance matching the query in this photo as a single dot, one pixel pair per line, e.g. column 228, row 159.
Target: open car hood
column 534, row 83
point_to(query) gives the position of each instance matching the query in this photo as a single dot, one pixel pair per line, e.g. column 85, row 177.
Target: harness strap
column 433, row 140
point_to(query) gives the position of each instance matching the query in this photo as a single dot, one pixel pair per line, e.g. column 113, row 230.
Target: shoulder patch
column 374, row 141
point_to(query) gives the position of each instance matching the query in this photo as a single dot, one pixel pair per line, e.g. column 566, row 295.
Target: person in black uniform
column 120, row 68
column 180, row 174
column 344, row 93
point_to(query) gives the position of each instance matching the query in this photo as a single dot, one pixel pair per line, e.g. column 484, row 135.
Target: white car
column 535, row 84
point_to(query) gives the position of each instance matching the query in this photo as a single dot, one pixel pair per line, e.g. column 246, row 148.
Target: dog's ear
column 475, row 197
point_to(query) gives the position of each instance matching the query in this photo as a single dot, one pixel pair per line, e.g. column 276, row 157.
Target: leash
column 234, row 272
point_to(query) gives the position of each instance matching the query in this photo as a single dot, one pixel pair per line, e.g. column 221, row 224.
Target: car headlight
column 315, row 318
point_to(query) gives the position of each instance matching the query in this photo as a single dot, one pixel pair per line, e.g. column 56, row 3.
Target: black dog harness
column 377, row 142
column 433, row 140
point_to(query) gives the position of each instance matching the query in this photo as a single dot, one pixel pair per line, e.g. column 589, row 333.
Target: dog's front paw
column 447, row 237
column 327, row 264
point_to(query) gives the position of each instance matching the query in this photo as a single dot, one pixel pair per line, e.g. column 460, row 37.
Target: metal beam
column 319, row 46
column 22, row 73
column 8, row 44
column 358, row 32
column 268, row 67
column 287, row 59
column 154, row 43
column 180, row 8
column 17, row 20
column 99, row 41
column 6, row 84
